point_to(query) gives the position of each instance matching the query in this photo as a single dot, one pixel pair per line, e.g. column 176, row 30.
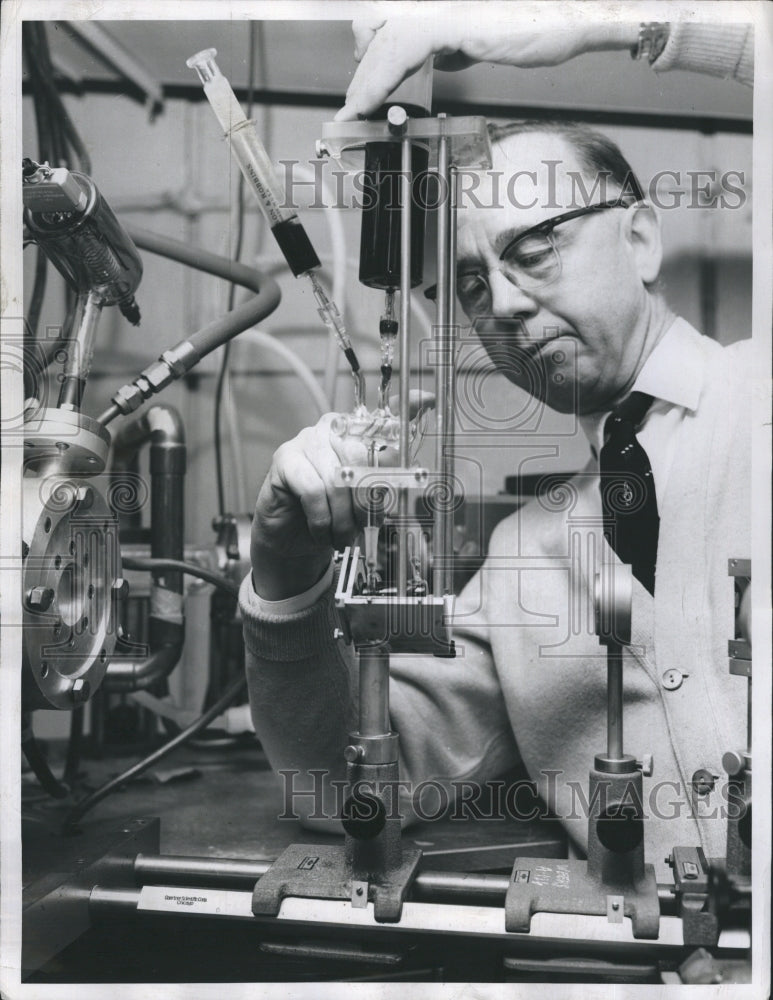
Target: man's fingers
column 389, row 58
column 364, row 29
column 343, row 525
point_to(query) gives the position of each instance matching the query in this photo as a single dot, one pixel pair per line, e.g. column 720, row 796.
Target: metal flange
column 66, row 441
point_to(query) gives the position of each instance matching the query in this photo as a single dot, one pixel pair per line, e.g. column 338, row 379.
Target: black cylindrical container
column 380, row 238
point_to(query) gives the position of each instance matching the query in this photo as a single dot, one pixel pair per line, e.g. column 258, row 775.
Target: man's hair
column 598, row 155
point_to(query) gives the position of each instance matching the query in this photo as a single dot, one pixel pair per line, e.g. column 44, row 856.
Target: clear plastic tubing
column 258, row 170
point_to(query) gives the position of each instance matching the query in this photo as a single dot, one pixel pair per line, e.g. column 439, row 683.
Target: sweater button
column 672, row 679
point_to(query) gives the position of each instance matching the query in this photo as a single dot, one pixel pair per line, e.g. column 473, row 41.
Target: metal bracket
column 468, row 140
column 552, row 886
column 315, row 871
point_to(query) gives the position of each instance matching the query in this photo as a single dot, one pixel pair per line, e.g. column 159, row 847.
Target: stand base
column 314, row 871
column 551, row 886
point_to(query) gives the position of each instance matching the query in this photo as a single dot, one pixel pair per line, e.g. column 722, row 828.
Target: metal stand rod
column 749, row 716
column 374, row 691
column 450, row 393
column 405, row 361
column 614, row 701
column 440, row 333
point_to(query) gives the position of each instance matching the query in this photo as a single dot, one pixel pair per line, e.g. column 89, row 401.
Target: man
column 581, row 323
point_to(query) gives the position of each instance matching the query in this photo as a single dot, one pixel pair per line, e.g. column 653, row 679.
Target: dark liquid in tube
column 380, row 238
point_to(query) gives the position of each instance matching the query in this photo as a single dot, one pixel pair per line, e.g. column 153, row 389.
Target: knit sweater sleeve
column 303, row 689
column 725, row 50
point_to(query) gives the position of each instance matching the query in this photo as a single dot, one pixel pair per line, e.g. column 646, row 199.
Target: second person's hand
column 389, row 49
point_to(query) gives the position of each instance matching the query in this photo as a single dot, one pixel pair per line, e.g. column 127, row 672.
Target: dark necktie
column 628, row 501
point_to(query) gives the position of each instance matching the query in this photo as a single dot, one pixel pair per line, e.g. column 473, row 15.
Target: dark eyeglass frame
column 547, row 226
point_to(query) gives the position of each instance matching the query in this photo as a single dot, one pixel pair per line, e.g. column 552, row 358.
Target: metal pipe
column 441, row 358
column 406, row 188
column 81, row 351
column 429, row 886
column 374, row 691
column 163, row 427
column 614, row 701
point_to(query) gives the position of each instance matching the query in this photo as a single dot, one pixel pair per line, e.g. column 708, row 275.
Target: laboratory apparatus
column 286, row 228
column 606, row 917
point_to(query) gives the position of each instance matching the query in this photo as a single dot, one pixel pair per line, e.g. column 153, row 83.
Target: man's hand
column 301, row 515
column 389, row 50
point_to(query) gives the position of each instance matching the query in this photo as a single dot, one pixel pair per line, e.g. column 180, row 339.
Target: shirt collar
column 673, row 374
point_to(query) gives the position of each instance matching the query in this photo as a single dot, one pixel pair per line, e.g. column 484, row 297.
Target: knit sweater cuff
column 725, row 50
column 286, row 638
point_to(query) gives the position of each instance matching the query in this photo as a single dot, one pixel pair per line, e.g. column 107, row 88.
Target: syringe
column 286, row 228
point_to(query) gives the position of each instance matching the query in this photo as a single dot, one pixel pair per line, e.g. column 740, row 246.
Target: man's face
column 576, row 343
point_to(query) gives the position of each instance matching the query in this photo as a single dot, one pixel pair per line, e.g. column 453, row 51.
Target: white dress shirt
column 673, row 376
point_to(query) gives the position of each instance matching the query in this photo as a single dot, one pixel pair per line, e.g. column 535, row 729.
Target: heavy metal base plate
column 552, row 886
column 315, row 871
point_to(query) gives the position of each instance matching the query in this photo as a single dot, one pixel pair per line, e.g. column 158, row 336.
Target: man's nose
column 507, row 299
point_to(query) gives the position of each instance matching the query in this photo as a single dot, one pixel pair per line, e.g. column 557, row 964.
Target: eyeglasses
column 529, row 261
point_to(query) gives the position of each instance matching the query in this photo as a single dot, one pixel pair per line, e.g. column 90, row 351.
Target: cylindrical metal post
column 406, row 187
column 450, row 390
column 440, row 543
column 614, row 701
column 81, row 351
column 749, row 716
column 374, row 691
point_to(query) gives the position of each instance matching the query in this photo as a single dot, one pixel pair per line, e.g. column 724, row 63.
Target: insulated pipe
column 201, row 260
column 162, row 426
column 188, row 352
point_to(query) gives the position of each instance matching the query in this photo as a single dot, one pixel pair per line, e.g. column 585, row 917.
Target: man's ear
column 642, row 228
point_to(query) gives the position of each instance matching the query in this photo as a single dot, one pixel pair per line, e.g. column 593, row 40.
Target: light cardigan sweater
column 529, row 666
column 725, row 50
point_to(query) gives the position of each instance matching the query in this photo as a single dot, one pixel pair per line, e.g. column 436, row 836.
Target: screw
column 615, row 906
column 359, row 890
column 40, row 598
column 352, row 754
column 645, row 765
